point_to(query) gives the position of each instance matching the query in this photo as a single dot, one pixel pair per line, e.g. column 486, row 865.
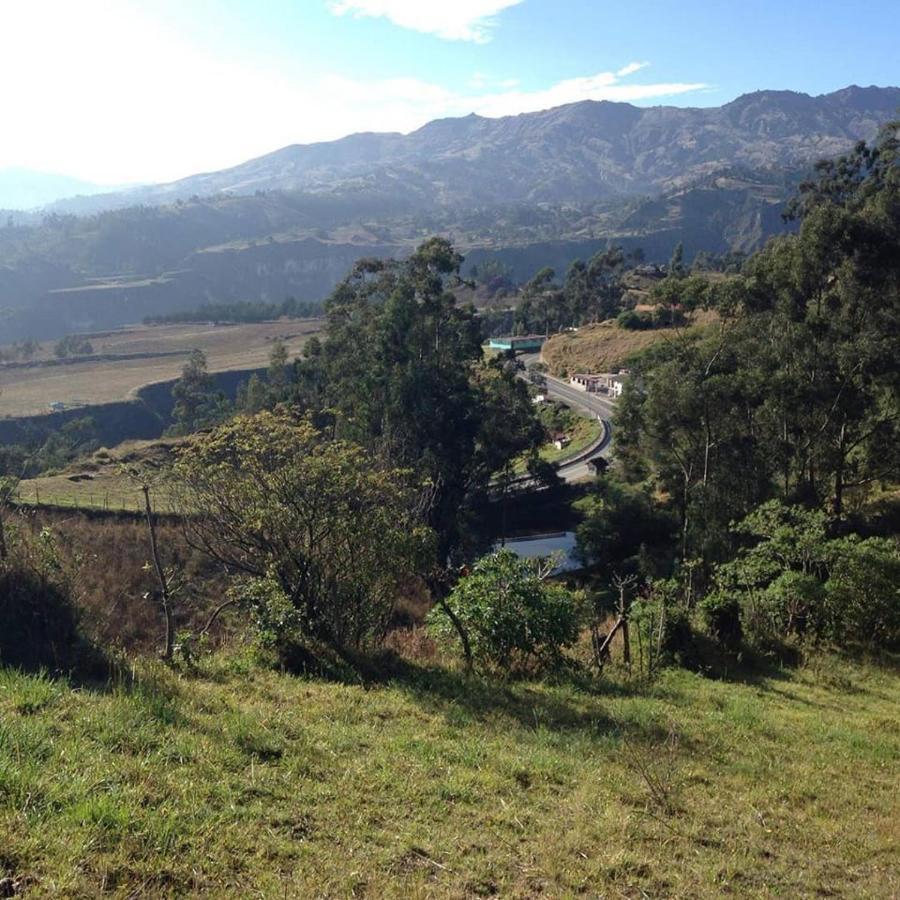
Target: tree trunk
column 161, row 577
column 838, row 504
column 460, row 630
column 4, row 553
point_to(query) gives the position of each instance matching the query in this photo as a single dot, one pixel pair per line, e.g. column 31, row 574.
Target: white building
column 606, row 383
column 590, row 384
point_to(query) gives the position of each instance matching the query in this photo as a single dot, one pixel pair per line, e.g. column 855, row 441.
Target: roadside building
column 590, row 384
column 614, row 385
column 610, row 383
column 524, row 343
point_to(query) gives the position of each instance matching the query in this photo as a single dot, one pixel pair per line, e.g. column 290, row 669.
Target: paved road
column 588, row 404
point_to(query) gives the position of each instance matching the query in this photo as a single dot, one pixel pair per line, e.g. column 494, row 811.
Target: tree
column 792, row 580
column 71, row 345
column 796, row 392
column 676, row 268
column 623, row 530
column 508, row 615
column 401, row 371
column 279, row 371
column 198, row 404
column 323, row 533
column 252, row 397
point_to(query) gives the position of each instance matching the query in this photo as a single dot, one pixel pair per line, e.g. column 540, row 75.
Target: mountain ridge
column 527, row 191
column 584, row 150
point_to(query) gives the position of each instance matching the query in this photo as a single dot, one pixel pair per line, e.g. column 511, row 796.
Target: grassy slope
column 604, row 346
column 99, row 481
column 246, row 782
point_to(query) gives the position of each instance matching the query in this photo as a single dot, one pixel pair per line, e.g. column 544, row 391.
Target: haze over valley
column 545, row 187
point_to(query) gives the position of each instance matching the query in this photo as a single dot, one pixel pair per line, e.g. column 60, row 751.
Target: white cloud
column 631, row 68
column 604, row 86
column 453, row 20
column 113, row 95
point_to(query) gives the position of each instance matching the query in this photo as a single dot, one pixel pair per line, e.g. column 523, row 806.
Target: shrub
column 511, row 616
column 631, row 320
column 862, row 594
column 721, row 613
column 39, row 627
column 329, row 535
column 663, row 632
column 796, row 582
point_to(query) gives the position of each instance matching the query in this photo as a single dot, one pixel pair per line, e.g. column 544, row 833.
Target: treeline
column 244, row 311
column 749, row 456
column 591, row 291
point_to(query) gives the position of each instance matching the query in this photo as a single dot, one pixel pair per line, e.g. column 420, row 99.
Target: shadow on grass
column 745, row 665
column 565, row 701
column 39, row 630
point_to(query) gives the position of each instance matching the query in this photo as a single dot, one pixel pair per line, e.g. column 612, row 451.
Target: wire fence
column 102, row 501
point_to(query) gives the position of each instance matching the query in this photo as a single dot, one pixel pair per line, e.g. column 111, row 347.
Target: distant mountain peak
column 584, row 151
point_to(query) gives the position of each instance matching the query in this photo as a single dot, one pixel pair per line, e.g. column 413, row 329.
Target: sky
column 127, row 91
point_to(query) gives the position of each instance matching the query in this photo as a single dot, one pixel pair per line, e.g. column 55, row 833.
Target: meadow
column 232, row 779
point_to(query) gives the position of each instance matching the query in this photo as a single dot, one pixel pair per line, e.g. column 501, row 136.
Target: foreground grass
column 239, row 781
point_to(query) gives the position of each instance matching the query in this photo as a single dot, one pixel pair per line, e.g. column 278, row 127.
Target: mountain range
column 24, row 189
column 530, row 189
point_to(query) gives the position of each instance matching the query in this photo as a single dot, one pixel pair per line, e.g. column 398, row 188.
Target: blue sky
column 147, row 90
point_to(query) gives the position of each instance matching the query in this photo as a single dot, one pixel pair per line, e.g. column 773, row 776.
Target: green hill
column 239, row 781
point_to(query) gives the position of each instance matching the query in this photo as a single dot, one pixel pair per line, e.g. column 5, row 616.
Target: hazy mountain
column 27, row 189
column 536, row 189
column 582, row 151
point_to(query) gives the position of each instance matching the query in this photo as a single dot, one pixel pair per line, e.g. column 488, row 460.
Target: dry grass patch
column 605, row 346
column 127, row 359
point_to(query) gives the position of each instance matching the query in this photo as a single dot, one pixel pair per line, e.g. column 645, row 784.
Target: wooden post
column 161, row 577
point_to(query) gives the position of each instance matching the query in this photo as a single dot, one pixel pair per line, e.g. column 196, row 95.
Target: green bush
column 511, row 616
column 795, row 582
column 663, row 631
column 862, row 594
column 721, row 613
column 631, row 320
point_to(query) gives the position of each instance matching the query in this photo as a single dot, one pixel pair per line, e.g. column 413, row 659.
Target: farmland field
column 127, row 359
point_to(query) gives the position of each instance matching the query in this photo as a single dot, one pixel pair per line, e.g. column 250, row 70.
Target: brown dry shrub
column 110, row 555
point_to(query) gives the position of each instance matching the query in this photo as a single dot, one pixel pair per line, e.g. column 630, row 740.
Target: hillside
column 236, row 781
column 531, row 190
column 605, row 346
column 587, row 150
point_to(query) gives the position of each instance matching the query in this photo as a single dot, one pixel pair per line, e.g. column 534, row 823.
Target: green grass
column 240, row 781
column 583, row 433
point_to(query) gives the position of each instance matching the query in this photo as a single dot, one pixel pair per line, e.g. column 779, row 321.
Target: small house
column 590, row 384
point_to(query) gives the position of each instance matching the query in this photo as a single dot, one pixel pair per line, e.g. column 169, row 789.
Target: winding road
column 578, row 468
